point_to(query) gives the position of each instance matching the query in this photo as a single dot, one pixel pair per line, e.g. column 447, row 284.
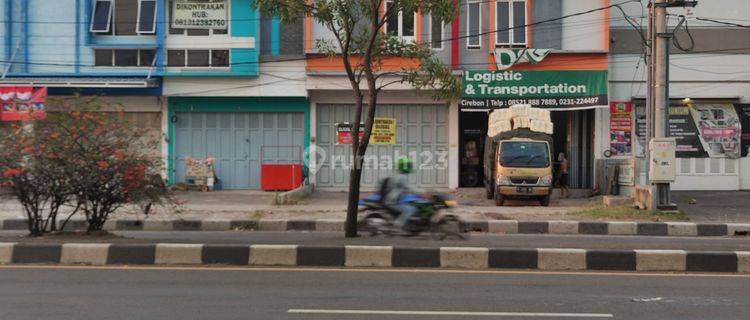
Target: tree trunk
column 352, row 209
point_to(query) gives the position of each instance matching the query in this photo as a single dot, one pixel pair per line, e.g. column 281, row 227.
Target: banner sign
column 701, row 130
column 199, row 14
column 620, row 128
column 344, row 132
column 383, row 131
column 543, row 89
column 506, row 58
column 23, row 103
column 743, row 111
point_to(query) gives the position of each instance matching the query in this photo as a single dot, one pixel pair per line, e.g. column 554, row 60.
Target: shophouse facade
column 709, row 92
column 445, row 137
column 212, row 79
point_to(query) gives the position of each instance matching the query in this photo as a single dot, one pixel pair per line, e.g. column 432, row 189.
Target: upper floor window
column 213, row 58
column 473, row 24
column 510, row 23
column 436, row 33
column 124, row 57
column 202, row 31
column 400, row 25
column 123, row 17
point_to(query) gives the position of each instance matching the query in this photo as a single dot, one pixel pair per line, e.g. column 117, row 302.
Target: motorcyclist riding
column 397, row 193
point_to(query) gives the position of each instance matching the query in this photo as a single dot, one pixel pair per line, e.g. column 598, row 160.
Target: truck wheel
column 499, row 200
column 544, row 201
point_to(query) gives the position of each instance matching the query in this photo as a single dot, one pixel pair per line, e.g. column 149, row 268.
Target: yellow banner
column 383, row 131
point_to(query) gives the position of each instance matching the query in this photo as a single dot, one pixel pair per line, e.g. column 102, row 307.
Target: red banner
column 23, row 103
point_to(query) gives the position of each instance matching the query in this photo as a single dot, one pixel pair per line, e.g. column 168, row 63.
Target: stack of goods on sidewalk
column 199, row 175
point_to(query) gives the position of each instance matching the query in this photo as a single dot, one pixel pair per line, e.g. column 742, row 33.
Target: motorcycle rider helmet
column 405, row 165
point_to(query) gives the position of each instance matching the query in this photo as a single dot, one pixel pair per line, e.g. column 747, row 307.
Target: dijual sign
column 545, row 89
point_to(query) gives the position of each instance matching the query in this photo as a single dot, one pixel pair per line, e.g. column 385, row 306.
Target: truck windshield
column 524, row 154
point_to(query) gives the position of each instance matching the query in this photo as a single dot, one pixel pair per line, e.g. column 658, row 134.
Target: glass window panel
column 103, row 58
column 503, row 22
column 147, row 16
column 197, row 32
column 126, row 58
column 219, row 58
column 101, row 16
column 147, row 57
column 436, row 32
column 391, row 22
column 474, row 24
column 176, row 58
column 519, row 22
column 126, row 15
column 408, row 24
column 197, row 58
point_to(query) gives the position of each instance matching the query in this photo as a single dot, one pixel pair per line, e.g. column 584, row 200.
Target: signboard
column 23, row 103
column 199, row 14
column 701, row 130
column 383, row 131
column 743, row 112
column 344, row 133
column 543, row 89
column 620, row 128
column 627, row 174
column 506, row 58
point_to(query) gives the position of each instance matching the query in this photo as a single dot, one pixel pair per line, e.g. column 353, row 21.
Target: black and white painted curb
column 374, row 256
column 490, row 226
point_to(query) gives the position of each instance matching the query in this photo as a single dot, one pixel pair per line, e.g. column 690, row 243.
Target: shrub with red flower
column 70, row 159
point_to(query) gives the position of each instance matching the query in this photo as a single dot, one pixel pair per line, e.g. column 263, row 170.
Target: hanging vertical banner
column 23, row 103
column 620, row 128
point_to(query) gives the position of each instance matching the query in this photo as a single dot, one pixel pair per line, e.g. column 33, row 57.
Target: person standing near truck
column 563, row 180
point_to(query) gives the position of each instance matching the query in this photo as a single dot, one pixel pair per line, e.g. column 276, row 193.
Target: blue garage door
column 235, row 141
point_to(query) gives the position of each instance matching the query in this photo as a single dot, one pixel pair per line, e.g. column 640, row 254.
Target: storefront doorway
column 573, row 135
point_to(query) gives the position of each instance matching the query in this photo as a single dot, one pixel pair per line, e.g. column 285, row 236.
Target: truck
column 518, row 165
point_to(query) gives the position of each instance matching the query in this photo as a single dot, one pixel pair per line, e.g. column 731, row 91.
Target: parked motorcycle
column 378, row 218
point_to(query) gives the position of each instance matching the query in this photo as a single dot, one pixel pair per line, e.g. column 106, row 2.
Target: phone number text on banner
column 544, row 89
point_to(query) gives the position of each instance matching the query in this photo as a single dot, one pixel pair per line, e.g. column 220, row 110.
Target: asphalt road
column 136, row 293
column 478, row 240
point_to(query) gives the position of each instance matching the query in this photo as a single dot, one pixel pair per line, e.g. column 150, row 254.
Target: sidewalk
column 708, row 207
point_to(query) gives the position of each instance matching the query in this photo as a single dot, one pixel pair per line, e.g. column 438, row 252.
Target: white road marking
column 451, row 313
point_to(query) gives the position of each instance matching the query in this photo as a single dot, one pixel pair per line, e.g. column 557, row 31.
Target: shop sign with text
column 543, row 89
column 23, row 103
column 620, row 128
column 199, row 14
column 383, row 132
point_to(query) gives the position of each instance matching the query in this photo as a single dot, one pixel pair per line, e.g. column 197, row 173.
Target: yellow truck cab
column 518, row 165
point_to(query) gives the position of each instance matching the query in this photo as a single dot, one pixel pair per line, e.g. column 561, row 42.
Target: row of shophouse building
column 247, row 89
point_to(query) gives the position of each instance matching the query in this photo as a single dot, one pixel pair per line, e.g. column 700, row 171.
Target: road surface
column 38, row 292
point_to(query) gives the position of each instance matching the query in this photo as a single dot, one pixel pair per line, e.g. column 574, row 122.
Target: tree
column 359, row 41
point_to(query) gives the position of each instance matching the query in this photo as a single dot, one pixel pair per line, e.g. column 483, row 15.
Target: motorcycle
column 379, row 219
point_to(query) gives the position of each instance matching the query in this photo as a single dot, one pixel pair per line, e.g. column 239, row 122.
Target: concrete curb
column 620, row 228
column 473, row 258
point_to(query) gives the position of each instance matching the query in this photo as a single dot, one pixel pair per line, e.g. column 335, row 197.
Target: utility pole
column 658, row 83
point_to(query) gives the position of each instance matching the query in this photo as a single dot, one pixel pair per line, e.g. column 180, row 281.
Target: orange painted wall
column 323, row 63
